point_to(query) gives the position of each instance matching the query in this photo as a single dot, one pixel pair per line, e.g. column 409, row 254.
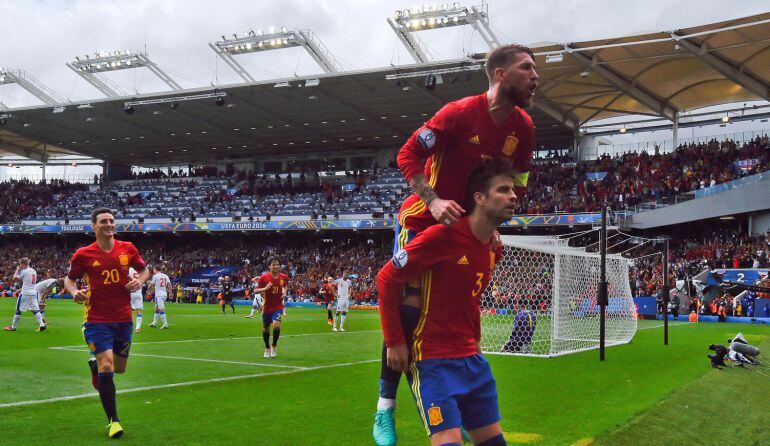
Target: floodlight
column 220, row 101
column 725, row 119
column 623, row 130
column 129, row 109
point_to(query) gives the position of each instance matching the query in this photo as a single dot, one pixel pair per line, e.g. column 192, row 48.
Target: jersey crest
column 511, row 142
column 434, row 416
column 123, row 260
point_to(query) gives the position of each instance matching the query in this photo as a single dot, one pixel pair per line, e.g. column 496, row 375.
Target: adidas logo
column 96, row 263
column 475, row 140
column 463, row 261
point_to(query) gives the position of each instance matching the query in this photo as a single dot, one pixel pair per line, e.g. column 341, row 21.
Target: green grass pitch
column 205, row 382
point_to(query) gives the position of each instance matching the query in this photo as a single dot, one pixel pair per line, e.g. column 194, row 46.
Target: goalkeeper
column 524, row 325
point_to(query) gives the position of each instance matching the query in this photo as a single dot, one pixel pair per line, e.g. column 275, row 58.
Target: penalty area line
column 185, row 383
column 60, row 347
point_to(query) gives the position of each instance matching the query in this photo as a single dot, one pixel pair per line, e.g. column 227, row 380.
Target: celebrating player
column 27, row 299
column 274, row 285
column 457, row 139
column 257, row 303
column 44, row 289
column 342, row 287
column 160, row 286
column 450, row 379
column 107, row 329
column 327, row 294
column 137, row 301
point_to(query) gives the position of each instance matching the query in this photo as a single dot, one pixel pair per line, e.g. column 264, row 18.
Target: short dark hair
column 503, row 56
column 272, row 259
column 481, row 178
column 98, row 211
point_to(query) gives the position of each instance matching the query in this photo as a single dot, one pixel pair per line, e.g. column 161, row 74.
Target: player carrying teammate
column 107, row 329
column 44, row 289
column 27, row 299
column 342, row 287
column 273, row 284
column 160, row 286
column 457, row 139
column 451, row 381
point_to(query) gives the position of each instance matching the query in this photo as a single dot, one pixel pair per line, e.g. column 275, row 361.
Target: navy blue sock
column 266, row 338
column 107, row 395
column 276, row 333
column 494, row 441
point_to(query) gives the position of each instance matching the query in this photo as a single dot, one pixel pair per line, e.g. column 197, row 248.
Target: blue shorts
column 402, row 237
column 452, row 393
column 269, row 318
column 114, row 336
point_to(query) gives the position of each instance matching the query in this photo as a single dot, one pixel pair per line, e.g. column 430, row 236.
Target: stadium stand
column 627, row 182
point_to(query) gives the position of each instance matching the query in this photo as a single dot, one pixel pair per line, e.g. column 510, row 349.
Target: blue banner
column 294, row 225
column 744, row 276
column 208, row 275
column 596, row 176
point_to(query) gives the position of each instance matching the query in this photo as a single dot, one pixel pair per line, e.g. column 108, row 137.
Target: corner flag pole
column 602, row 291
column 666, row 295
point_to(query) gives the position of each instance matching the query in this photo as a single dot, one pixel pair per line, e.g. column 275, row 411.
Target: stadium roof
column 659, row 74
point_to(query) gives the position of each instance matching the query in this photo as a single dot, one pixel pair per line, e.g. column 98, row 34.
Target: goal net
column 541, row 300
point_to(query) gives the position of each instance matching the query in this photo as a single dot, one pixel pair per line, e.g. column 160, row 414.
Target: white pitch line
column 185, row 384
column 184, row 358
column 228, row 339
column 670, row 325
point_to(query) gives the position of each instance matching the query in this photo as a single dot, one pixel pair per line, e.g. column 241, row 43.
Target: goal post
column 541, row 300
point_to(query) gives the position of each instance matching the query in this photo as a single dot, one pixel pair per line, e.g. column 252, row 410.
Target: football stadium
column 553, row 243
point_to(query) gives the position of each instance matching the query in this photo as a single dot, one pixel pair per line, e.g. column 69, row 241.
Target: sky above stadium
column 41, row 36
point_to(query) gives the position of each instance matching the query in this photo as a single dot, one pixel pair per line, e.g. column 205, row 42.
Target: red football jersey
column 456, row 140
column 106, row 274
column 328, row 292
column 454, row 268
column 273, row 296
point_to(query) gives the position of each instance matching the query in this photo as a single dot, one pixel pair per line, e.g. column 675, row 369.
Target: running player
column 27, row 299
column 137, row 301
column 342, row 287
column 457, row 139
column 451, row 381
column 327, row 295
column 160, row 286
column 44, row 289
column 107, row 329
column 273, row 284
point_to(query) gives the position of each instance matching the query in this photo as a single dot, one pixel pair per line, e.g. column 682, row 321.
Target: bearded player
column 451, row 381
column 437, row 161
column 107, row 329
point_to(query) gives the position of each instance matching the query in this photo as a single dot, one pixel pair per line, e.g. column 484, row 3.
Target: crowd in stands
column 638, row 178
column 554, row 186
column 690, row 255
column 307, row 259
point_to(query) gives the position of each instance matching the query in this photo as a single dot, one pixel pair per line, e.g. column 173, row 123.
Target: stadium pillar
column 45, row 159
column 602, row 291
column 666, row 296
column 675, row 137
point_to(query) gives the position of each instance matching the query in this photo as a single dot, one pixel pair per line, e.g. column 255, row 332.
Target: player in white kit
column 256, row 305
column 342, row 285
column 44, row 289
column 137, row 301
column 27, row 299
column 160, row 284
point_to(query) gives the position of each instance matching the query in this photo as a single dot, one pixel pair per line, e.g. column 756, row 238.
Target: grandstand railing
column 666, row 145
